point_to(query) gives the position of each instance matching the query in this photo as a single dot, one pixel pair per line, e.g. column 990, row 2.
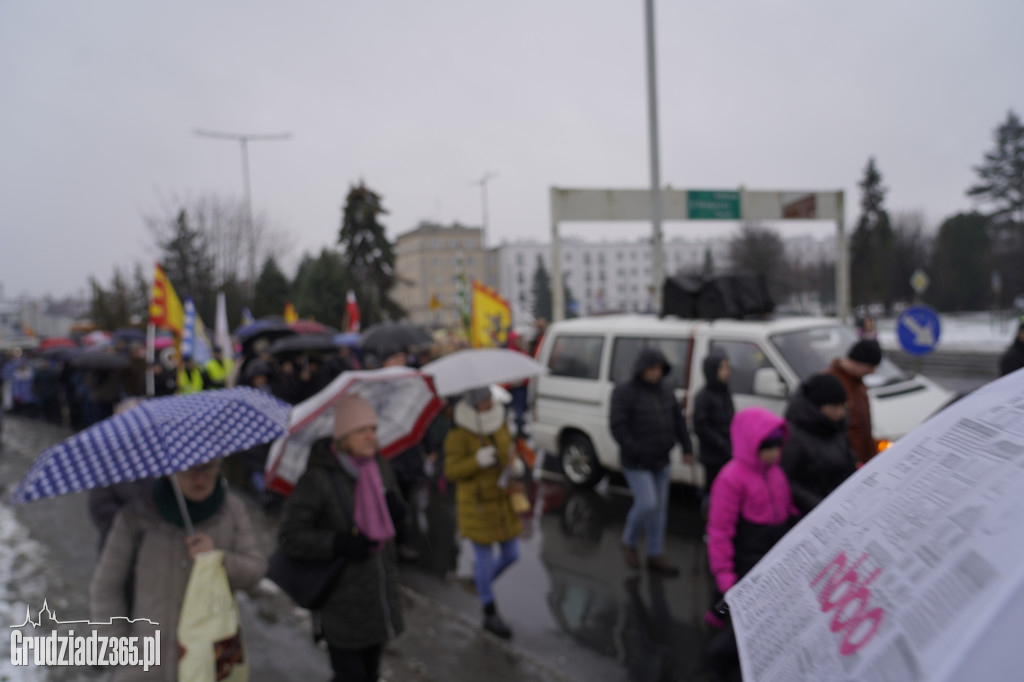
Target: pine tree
column 190, row 267
column 272, row 291
column 368, row 257
column 1002, row 174
column 760, row 250
column 1002, row 190
column 961, row 264
column 871, row 244
column 541, row 291
column 320, row 288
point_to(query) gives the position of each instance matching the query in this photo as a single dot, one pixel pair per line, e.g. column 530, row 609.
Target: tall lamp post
column 487, row 177
column 657, row 266
column 246, row 190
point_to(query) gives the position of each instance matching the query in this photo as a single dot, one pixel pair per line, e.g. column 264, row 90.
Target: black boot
column 494, row 623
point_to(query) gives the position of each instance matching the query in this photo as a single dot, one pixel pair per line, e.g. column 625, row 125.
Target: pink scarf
column 370, row 510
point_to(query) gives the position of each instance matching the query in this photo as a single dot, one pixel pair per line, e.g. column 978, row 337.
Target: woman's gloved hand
column 487, row 456
column 352, row 545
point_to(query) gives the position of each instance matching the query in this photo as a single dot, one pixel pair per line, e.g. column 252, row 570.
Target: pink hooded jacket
column 746, row 489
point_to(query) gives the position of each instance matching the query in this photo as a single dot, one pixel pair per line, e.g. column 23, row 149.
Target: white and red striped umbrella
column 403, row 398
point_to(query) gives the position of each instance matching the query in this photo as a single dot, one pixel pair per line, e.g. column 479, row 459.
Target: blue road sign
column 918, row 329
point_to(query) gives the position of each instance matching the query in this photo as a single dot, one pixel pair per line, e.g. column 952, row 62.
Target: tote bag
column 210, row 646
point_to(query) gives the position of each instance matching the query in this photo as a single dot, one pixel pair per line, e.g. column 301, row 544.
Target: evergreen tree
column 961, row 264
column 111, row 308
column 1002, row 190
column 541, row 291
column 320, row 288
column 871, row 244
column 909, row 253
column 368, row 257
column 1002, row 174
column 273, row 290
column 190, row 267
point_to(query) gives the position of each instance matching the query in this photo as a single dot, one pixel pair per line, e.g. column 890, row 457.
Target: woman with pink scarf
column 347, row 505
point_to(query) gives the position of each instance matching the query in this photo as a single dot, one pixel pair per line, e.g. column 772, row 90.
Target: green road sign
column 713, row 205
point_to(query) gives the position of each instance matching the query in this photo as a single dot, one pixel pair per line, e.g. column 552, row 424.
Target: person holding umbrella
column 346, row 505
column 147, row 558
column 479, row 459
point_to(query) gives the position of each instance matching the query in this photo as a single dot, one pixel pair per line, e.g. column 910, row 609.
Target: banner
column 194, row 341
column 247, row 317
column 462, row 295
column 290, row 315
column 221, row 335
column 352, row 312
column 491, row 318
column 165, row 308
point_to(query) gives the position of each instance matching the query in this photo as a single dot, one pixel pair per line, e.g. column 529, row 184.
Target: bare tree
column 225, row 232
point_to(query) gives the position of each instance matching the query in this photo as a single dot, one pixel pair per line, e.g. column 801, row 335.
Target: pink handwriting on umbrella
column 843, row 588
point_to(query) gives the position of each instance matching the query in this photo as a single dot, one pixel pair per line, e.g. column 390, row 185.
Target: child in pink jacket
column 751, row 509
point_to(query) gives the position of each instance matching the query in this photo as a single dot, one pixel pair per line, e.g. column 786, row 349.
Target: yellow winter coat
column 485, row 513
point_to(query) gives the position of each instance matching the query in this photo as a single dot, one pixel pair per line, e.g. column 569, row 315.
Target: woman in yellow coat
column 478, row 459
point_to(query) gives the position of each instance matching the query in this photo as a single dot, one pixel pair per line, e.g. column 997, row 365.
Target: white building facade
column 606, row 277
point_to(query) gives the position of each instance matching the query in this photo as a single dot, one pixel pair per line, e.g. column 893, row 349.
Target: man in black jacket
column 647, row 423
column 713, row 411
column 1013, row 358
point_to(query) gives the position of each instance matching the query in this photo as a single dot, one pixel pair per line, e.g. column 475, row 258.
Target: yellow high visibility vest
column 218, row 372
column 190, row 382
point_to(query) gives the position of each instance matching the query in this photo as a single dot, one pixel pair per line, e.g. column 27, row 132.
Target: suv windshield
column 810, row 351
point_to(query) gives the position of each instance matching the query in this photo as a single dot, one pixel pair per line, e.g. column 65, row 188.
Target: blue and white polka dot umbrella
column 158, row 437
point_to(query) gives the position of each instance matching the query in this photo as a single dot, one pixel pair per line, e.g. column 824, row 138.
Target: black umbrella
column 401, row 335
column 129, row 334
column 303, row 343
column 100, row 359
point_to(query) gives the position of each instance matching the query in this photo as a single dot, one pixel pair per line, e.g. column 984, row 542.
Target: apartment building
column 428, row 261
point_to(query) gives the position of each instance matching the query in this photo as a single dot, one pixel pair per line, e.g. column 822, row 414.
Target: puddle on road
column 571, row 599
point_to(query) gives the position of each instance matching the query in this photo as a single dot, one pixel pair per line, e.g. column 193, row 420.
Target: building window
column 435, row 244
column 600, row 259
column 469, row 244
column 469, row 260
column 519, row 259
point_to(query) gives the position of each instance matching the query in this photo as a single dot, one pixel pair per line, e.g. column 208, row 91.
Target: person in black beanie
column 818, row 456
column 860, row 361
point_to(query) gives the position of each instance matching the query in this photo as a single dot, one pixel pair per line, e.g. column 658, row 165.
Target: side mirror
column 767, row 382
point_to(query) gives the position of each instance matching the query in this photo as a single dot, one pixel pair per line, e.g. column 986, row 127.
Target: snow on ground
column 962, row 332
column 21, row 582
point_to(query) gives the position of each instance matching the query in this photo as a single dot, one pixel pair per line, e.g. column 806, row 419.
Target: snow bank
column 21, row 583
column 963, row 332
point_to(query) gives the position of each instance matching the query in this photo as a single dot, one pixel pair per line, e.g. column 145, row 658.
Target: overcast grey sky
column 98, row 100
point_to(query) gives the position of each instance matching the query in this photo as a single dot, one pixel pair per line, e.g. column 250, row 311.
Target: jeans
column 519, row 407
column 487, row 570
column 649, row 512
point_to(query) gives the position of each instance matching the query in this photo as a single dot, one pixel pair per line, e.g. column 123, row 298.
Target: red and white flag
column 352, row 311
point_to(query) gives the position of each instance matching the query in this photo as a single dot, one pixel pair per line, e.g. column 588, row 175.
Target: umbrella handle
column 189, row 528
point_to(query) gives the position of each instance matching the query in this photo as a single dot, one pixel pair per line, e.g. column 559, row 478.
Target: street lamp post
column 246, row 190
column 487, row 177
column 657, row 266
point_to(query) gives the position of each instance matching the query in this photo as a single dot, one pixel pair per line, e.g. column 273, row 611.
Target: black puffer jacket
column 712, row 414
column 1012, row 359
column 817, row 457
column 646, row 420
column 363, row 608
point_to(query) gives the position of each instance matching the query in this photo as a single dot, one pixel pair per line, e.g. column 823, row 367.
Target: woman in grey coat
column 147, row 559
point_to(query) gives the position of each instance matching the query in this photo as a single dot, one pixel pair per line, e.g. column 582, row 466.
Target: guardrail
column 957, row 363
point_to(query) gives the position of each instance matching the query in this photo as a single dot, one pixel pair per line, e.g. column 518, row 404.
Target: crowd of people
column 762, row 470
column 353, row 508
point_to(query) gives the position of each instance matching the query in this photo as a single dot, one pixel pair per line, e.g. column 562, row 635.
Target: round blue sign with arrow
column 918, row 330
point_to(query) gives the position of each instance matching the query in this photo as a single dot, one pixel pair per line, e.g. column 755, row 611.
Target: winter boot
column 494, row 623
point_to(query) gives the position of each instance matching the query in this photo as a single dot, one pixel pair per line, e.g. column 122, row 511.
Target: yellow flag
column 491, row 318
column 165, row 309
column 290, row 315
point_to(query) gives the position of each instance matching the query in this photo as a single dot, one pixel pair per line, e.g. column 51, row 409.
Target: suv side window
column 626, row 350
column 745, row 358
column 578, row 357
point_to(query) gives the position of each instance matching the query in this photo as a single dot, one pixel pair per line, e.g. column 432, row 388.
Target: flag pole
column 150, row 357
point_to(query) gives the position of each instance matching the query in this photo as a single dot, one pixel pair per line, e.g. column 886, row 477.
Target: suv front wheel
column 579, row 461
